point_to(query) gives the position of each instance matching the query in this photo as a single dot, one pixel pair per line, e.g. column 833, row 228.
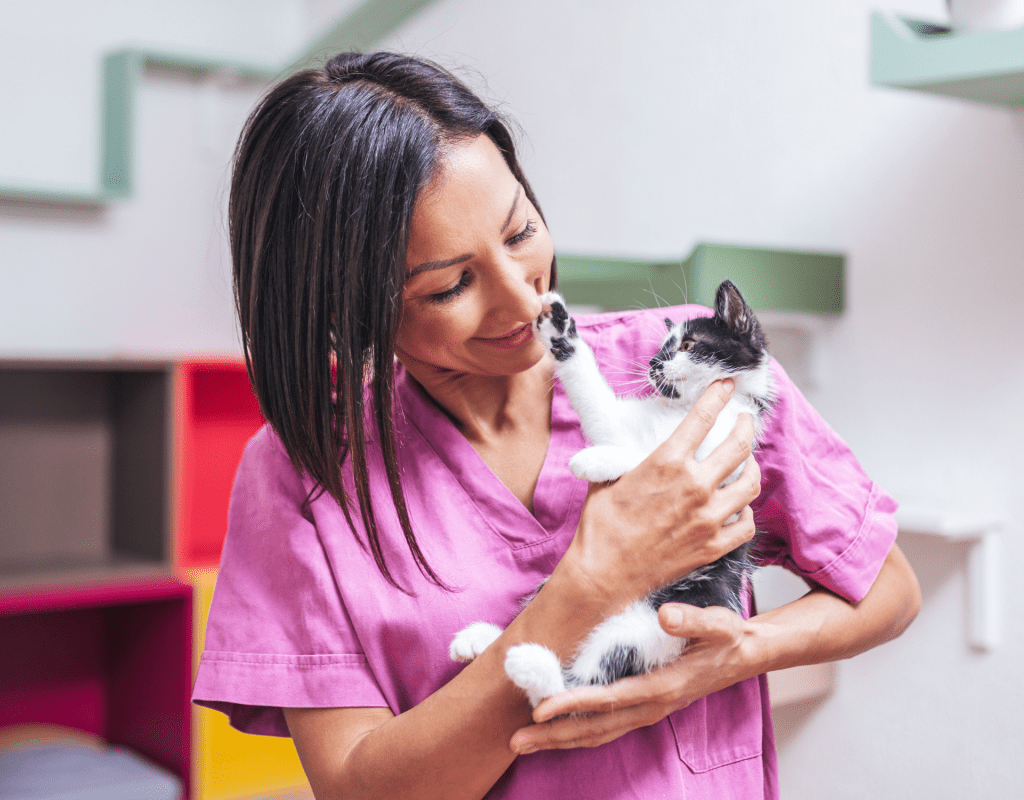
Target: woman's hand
column 725, row 649
column 714, row 658
column 666, row 517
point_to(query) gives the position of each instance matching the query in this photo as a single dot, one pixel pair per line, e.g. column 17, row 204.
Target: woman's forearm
column 455, row 743
column 821, row 626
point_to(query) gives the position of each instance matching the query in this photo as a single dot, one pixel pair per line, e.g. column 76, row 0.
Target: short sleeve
column 819, row 515
column 278, row 633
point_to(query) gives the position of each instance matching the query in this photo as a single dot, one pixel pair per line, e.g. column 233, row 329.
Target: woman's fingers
column 652, row 687
column 687, row 437
column 589, row 731
column 733, row 451
column 732, row 535
column 700, row 624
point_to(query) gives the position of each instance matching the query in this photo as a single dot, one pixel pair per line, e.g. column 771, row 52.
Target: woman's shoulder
column 639, row 318
column 636, row 333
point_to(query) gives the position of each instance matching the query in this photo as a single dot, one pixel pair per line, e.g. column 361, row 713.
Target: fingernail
column 729, row 384
column 674, row 617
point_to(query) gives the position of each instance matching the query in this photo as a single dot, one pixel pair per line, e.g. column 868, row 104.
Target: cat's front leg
column 472, row 640
column 604, row 463
column 577, row 369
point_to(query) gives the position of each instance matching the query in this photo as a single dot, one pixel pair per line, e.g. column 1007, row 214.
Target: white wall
column 648, row 129
column 655, row 125
column 147, row 276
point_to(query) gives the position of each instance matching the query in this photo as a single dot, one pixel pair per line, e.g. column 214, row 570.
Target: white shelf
column 983, row 535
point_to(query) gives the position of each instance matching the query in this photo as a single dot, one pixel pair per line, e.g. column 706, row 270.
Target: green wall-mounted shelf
column 769, row 279
column 366, row 23
column 984, row 66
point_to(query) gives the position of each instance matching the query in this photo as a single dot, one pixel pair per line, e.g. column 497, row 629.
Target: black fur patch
column 714, row 343
column 559, row 316
column 717, row 584
column 561, row 349
column 620, row 662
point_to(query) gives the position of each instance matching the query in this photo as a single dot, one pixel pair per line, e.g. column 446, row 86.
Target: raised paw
column 472, row 640
column 535, row 670
column 555, row 328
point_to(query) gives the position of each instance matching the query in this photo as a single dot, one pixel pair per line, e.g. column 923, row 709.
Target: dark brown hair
column 326, row 174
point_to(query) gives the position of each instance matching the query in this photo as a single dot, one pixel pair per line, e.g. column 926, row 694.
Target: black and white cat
column 624, row 431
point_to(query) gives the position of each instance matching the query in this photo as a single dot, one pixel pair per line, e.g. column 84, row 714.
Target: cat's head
column 699, row 351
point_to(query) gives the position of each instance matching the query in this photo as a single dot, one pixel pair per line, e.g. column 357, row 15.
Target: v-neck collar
column 559, row 495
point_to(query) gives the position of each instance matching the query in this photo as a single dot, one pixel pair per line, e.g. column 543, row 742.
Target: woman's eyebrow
column 428, row 266
column 515, row 205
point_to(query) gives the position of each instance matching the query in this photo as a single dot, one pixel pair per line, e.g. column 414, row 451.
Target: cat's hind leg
column 472, row 640
column 535, row 670
column 629, row 643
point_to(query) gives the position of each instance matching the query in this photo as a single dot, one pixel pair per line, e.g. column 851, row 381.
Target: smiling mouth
column 516, row 338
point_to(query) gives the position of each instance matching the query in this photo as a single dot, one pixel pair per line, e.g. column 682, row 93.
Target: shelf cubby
column 112, row 660
column 85, row 459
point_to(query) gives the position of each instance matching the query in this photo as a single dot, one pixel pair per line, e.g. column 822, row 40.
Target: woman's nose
column 518, row 291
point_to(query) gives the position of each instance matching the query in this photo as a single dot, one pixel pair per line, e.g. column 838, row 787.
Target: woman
column 383, row 233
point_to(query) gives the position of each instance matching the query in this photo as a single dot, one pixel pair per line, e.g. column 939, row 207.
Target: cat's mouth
column 664, row 386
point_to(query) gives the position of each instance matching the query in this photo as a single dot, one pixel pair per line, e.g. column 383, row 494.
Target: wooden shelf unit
column 115, row 477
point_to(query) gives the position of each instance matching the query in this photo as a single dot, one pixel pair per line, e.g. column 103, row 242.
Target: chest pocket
column 720, row 729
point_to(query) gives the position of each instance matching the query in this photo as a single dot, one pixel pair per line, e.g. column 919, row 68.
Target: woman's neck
column 488, row 408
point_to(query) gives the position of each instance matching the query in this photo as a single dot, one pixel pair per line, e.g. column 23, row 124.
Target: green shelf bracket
column 769, row 279
column 983, row 66
column 123, row 71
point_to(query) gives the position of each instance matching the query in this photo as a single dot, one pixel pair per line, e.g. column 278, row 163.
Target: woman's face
column 479, row 258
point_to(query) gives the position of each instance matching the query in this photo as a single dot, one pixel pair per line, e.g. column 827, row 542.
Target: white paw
column 554, row 328
column 472, row 640
column 603, row 463
column 535, row 670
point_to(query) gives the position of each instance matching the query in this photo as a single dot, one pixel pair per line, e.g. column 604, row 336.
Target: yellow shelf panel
column 228, row 764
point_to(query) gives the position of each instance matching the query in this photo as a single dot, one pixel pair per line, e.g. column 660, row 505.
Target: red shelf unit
column 217, row 414
column 114, row 660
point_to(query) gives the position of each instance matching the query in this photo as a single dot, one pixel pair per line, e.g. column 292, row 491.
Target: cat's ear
column 669, row 323
column 732, row 309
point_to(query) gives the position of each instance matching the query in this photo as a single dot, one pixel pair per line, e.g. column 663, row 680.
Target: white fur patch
column 604, row 463
column 636, row 627
column 472, row 640
column 535, row 670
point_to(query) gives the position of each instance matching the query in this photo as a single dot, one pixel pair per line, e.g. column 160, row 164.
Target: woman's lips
column 511, row 341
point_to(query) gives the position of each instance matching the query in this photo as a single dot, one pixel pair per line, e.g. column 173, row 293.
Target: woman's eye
column 451, row 294
column 525, row 233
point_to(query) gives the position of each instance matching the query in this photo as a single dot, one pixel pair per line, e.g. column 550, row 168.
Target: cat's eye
column 687, row 345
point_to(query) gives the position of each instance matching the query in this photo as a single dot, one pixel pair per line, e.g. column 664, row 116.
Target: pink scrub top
column 301, row 616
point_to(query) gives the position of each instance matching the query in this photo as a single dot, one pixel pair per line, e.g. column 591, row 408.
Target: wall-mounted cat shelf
column 982, row 534
column 364, row 25
column 795, row 293
column 774, row 281
column 985, row 66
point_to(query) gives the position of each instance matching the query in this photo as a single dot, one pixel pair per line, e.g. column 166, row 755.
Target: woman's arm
column 725, row 649
column 659, row 521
